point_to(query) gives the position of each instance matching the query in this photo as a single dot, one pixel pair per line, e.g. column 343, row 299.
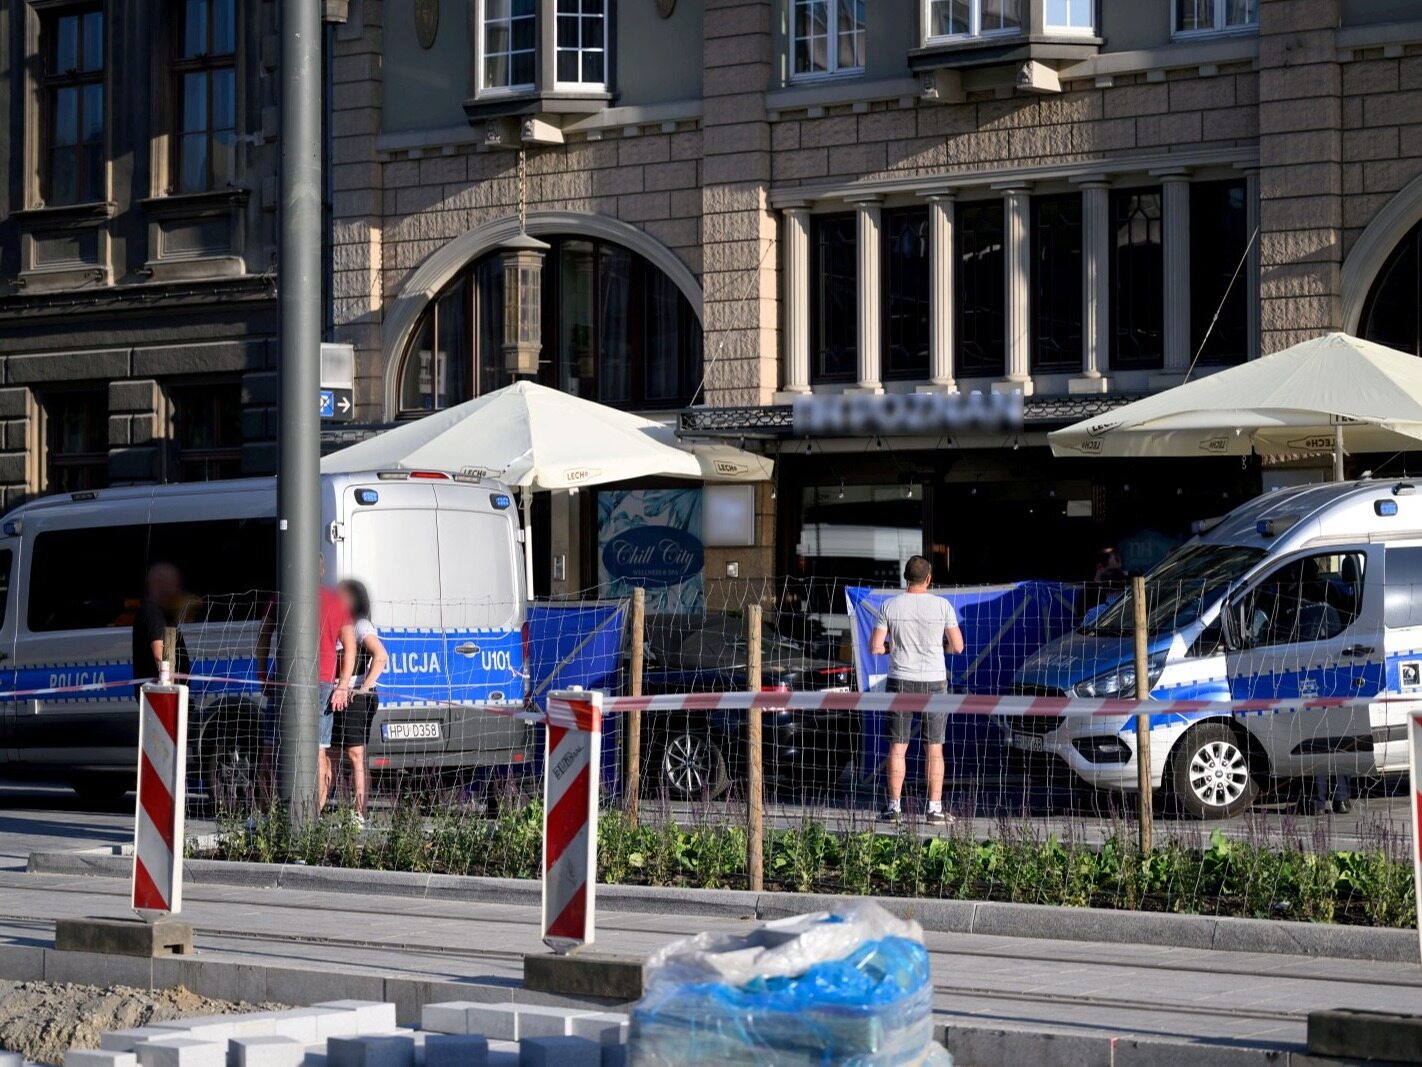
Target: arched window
column 1392, row 314
column 615, row 330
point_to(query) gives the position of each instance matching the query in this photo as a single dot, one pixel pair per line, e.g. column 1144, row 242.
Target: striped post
column 158, row 824
column 570, row 781
column 1414, row 762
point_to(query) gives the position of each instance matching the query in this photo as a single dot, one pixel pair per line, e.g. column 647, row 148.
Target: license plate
column 410, row 731
column 1029, row 742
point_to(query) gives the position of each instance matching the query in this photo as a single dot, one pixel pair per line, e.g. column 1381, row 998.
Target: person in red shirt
column 334, row 627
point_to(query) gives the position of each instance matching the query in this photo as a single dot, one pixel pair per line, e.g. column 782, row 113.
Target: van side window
column 92, row 577
column 1402, row 589
column 1309, row 599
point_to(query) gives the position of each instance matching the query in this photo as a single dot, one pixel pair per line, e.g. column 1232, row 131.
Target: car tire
column 1210, row 776
column 692, row 767
column 102, row 791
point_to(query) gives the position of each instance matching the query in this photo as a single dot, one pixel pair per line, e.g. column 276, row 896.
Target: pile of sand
column 44, row 1020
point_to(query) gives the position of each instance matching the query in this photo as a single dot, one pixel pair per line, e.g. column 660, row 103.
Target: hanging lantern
column 522, row 258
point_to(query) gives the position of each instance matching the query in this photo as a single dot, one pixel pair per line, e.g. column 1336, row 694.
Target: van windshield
column 1184, row 584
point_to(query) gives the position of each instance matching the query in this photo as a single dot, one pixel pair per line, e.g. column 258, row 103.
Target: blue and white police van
column 441, row 555
column 1314, row 591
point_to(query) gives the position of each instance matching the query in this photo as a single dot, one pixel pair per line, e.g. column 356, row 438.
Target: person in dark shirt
column 163, row 598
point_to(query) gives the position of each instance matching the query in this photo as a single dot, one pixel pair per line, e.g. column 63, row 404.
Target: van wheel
column 1210, row 774
column 229, row 771
column 693, row 767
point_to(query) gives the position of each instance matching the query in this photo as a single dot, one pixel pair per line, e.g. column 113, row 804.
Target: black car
column 700, row 754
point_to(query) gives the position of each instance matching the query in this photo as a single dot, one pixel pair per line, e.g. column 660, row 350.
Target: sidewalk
column 1001, row 997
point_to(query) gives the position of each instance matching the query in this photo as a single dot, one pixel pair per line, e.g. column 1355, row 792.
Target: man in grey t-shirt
column 916, row 629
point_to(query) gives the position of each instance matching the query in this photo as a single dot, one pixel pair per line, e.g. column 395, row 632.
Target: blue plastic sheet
column 870, row 1006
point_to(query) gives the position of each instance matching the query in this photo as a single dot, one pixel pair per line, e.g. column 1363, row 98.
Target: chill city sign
column 906, row 414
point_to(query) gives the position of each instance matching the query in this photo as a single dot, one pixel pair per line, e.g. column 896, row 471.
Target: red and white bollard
column 571, row 767
column 158, row 830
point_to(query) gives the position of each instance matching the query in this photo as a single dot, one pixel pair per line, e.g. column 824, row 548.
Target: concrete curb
column 939, row 916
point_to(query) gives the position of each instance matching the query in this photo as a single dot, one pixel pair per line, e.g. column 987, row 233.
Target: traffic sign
column 338, row 405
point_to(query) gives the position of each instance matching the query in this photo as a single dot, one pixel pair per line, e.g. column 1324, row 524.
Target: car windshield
column 1184, row 584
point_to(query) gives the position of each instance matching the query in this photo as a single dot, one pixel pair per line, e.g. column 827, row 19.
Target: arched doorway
column 616, row 329
column 438, row 273
column 1392, row 312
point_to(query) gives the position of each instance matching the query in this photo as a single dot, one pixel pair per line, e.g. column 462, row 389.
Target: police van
column 440, row 555
column 1308, row 592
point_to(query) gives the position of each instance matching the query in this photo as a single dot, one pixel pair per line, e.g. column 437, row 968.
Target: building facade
column 743, row 201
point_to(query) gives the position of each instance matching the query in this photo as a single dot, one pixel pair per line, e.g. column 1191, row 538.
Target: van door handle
column 467, row 649
column 1358, row 650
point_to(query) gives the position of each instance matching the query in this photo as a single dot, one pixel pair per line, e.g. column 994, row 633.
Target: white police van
column 1307, row 592
column 440, row 554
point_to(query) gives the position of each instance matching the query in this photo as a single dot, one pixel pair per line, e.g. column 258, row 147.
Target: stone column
column 740, row 314
column 867, row 248
column 1301, row 185
column 941, row 303
column 1175, row 235
column 1251, row 266
column 1095, row 287
column 1017, row 265
column 795, row 233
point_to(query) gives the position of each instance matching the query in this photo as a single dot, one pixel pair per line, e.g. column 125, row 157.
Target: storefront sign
column 652, row 538
column 899, row 414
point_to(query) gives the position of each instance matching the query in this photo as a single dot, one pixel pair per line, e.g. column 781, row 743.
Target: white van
column 1307, row 592
column 440, row 555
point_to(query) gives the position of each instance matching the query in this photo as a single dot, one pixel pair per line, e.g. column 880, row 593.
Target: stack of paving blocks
column 359, row 1033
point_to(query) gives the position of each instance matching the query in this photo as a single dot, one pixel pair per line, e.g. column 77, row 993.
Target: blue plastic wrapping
column 846, row 989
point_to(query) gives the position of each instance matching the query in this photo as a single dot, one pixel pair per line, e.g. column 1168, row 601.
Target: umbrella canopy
column 533, row 437
column 1313, row 397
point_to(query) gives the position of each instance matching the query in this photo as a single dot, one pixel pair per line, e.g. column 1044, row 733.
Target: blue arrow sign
column 328, row 403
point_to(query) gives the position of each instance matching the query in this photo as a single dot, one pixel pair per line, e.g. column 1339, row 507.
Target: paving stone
column 495, row 1021
column 536, row 1020
column 299, row 1024
column 450, row 1017
column 181, row 1052
column 614, row 1056
column 95, row 1057
column 264, row 1051
column 604, row 1027
column 456, row 1050
column 374, row 1016
column 371, row 1050
column 561, row 1051
column 128, row 1040
column 11, row 1059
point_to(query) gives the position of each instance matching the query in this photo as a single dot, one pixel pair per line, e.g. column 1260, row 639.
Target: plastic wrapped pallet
column 850, row 988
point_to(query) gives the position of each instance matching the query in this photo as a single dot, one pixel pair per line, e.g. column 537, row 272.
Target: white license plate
column 410, row 731
column 1029, row 742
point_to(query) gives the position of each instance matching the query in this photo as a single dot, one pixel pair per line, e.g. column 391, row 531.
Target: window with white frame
column 828, row 37
column 1214, row 16
column 1071, row 16
column 972, row 18
column 582, row 42
column 509, row 43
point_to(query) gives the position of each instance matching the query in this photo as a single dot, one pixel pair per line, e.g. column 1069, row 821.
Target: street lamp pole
column 298, row 478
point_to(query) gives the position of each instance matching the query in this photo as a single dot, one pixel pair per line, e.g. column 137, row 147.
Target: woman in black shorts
column 352, row 728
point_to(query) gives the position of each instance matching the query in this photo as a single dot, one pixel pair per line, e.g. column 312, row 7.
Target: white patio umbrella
column 535, row 438
column 1321, row 395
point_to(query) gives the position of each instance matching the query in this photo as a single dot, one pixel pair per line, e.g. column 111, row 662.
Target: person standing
column 353, row 728
column 334, row 629
column 916, row 629
column 162, row 603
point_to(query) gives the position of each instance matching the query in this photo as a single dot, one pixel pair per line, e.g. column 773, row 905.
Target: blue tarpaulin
column 1002, row 626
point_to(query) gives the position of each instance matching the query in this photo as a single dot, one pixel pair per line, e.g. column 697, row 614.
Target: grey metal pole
column 298, row 478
